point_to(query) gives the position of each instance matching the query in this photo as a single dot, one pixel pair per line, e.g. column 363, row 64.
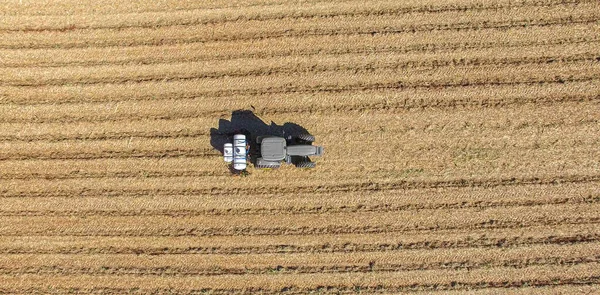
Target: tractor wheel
column 267, row 166
column 306, row 165
column 306, row 137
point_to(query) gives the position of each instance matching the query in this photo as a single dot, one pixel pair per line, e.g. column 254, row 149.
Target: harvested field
column 462, row 147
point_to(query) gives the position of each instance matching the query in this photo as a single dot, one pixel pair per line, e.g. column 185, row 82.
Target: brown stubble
column 461, row 147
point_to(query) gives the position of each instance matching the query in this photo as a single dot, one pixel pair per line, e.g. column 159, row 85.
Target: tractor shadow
column 247, row 123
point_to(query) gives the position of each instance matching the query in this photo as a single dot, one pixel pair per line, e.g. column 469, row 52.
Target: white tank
column 239, row 152
column 228, row 152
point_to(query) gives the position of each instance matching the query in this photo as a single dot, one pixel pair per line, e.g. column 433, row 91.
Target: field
column 462, row 147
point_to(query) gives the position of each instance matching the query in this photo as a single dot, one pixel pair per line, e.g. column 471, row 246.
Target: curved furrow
column 172, row 119
column 309, row 52
column 321, row 188
column 328, row 203
column 306, row 12
column 338, row 82
column 287, row 263
column 252, row 231
column 296, row 269
column 382, row 107
column 426, row 280
column 433, row 42
column 115, row 7
column 586, row 285
column 119, row 229
column 112, row 174
column 112, row 154
column 346, row 30
column 129, row 148
column 114, row 135
column 528, row 286
column 469, row 240
column 366, row 208
column 74, row 77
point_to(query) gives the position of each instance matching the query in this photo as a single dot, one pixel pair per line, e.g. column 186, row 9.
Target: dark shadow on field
column 247, row 123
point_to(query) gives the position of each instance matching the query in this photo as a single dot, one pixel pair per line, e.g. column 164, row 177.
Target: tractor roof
column 273, row 148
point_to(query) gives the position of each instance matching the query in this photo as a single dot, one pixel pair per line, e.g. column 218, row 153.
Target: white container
column 239, row 152
column 228, row 152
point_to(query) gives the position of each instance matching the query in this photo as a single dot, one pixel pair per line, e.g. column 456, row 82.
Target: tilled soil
column 461, row 147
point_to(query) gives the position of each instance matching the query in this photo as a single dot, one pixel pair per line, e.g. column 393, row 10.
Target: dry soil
column 462, row 147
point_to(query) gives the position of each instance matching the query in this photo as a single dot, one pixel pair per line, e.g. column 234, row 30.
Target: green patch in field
column 410, row 172
column 475, row 154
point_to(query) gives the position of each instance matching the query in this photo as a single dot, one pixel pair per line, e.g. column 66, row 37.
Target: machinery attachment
column 236, row 152
column 239, row 152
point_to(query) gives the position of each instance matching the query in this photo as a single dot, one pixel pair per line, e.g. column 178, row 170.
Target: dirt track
column 462, row 147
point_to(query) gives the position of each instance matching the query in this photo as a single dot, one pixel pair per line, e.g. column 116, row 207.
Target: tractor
column 271, row 151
